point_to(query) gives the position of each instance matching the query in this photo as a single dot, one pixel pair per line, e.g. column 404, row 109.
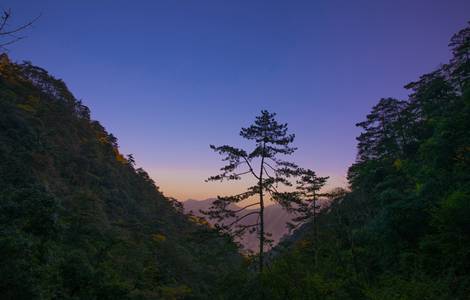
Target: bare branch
column 242, row 217
column 245, row 207
column 11, row 42
column 267, row 174
column 251, row 168
column 5, row 18
column 274, row 169
column 8, row 35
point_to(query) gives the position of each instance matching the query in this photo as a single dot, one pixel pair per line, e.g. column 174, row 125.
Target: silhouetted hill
column 77, row 219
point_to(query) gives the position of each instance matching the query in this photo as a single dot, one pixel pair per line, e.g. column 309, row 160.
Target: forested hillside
column 403, row 231
column 77, row 219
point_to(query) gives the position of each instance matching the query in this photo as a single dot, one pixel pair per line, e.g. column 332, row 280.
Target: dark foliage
column 77, row 219
column 403, row 231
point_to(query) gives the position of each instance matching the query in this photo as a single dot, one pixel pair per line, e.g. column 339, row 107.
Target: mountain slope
column 402, row 232
column 77, row 219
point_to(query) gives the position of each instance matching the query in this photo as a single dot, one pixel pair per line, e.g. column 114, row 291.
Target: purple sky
column 168, row 78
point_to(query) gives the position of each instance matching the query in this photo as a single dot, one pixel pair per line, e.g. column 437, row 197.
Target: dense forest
column 78, row 220
column 403, row 229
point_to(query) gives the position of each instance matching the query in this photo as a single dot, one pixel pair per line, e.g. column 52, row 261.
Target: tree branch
column 251, row 168
column 274, row 169
column 242, row 217
column 6, row 16
column 248, row 226
column 266, row 171
column 243, row 208
column 240, row 174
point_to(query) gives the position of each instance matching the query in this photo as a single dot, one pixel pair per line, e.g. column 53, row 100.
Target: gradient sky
column 168, row 78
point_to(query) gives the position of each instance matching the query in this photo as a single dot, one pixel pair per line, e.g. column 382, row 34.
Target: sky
column 168, row 78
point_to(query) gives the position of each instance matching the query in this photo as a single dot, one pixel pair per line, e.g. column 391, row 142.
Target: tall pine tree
column 272, row 175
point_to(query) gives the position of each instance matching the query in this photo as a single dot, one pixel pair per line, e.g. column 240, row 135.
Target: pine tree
column 384, row 134
column 272, row 174
column 308, row 192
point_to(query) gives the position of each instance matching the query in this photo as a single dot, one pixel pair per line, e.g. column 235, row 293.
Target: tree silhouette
column 9, row 34
column 271, row 173
column 385, row 133
column 308, row 189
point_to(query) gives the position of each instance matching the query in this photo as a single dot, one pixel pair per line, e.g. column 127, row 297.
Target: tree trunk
column 315, row 232
column 261, row 217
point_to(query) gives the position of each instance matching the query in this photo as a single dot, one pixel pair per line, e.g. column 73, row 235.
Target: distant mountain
column 275, row 216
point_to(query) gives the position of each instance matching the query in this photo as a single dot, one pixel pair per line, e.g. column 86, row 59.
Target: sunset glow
column 184, row 83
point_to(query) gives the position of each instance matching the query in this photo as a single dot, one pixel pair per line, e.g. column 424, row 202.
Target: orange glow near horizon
column 184, row 184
